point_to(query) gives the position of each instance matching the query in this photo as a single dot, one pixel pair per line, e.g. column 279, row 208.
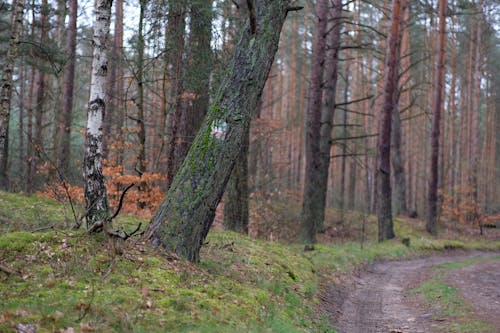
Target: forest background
column 166, row 62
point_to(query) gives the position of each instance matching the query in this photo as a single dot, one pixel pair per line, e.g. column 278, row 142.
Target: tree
column 312, row 216
column 175, row 43
column 96, row 202
column 6, row 88
column 198, row 186
column 63, row 155
column 432, row 198
column 384, row 193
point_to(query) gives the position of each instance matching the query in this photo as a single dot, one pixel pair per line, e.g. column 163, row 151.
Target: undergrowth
column 69, row 281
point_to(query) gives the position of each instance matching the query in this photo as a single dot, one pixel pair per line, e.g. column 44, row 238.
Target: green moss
column 241, row 284
column 17, row 241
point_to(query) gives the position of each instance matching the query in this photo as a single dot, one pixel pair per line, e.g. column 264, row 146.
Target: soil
column 376, row 301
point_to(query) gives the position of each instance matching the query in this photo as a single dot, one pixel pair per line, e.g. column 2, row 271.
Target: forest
column 254, row 153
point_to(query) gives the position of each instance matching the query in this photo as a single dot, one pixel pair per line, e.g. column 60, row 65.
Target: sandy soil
column 374, row 301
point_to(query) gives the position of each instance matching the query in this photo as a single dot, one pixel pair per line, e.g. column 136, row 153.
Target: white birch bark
column 95, row 191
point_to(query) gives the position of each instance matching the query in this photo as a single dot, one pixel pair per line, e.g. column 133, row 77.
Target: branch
column 347, row 155
column 355, row 137
column 120, row 204
column 9, row 271
column 354, row 101
column 294, row 8
column 121, row 234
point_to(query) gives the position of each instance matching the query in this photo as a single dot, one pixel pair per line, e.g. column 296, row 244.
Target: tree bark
column 399, row 198
column 141, row 134
column 64, row 147
column 41, row 92
column 176, row 26
column 312, row 216
column 342, row 200
column 197, row 188
column 384, row 192
column 114, row 90
column 96, row 202
column 236, row 194
column 432, row 194
column 6, row 88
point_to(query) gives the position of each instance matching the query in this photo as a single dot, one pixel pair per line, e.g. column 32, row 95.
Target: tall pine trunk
column 432, row 194
column 96, row 202
column 6, row 89
column 183, row 220
column 384, row 191
column 312, row 216
column 175, row 36
column 64, row 147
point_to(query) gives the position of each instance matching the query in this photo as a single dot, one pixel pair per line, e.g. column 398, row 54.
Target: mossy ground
column 69, row 279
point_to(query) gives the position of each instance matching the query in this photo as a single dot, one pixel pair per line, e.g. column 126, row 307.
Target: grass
column 70, row 279
column 445, row 299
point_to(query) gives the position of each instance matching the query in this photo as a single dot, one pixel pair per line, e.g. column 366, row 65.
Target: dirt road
column 376, row 301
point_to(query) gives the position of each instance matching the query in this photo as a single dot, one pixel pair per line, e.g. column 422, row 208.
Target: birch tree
column 96, row 201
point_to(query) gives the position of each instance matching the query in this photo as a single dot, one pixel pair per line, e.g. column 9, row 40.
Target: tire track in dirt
column 375, row 301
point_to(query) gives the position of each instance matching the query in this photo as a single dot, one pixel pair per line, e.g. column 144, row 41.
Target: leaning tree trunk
column 182, row 221
column 6, row 88
column 312, row 217
column 432, row 191
column 384, row 193
column 96, row 202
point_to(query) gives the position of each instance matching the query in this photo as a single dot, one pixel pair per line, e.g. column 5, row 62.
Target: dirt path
column 374, row 302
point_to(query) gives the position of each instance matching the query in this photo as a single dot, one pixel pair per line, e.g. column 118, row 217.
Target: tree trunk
column 476, row 109
column 41, row 92
column 176, row 27
column 236, row 195
column 141, row 134
column 399, row 198
column 432, row 194
column 63, row 155
column 197, row 188
column 344, row 142
column 384, row 193
column 6, row 88
column 114, row 89
column 312, row 215
column 196, row 82
column 96, row 202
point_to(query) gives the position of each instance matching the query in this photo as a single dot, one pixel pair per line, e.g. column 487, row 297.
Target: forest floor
column 449, row 292
column 56, row 279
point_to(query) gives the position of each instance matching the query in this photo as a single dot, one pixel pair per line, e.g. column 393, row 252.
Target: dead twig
column 10, row 271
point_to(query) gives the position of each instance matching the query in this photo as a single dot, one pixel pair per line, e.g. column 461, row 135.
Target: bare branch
column 120, row 204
